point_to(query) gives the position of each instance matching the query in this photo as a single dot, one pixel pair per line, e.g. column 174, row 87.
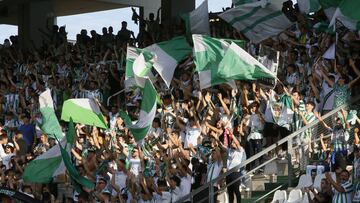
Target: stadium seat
column 280, row 196
column 304, row 181
column 295, row 196
column 317, row 181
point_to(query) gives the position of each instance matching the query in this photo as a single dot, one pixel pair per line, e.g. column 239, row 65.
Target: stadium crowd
column 197, row 134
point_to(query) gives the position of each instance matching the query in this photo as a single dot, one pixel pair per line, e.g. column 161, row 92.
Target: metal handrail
column 113, row 95
column 288, row 139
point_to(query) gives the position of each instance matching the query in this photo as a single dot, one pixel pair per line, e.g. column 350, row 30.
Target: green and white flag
column 197, row 21
column 79, row 182
column 309, row 6
column 329, row 7
column 237, row 64
column 131, row 55
column 84, row 111
column 258, row 21
column 142, row 70
column 348, row 14
column 50, row 124
column 46, row 166
column 241, row 2
column 208, row 53
column 167, row 56
column 147, row 113
column 330, row 52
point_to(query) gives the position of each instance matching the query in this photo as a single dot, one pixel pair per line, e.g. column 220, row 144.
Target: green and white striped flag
column 309, row 6
column 142, row 70
column 197, row 21
column 348, row 14
column 79, row 182
column 147, row 113
column 237, row 64
column 84, row 111
column 46, row 166
column 258, row 21
column 50, row 124
column 131, row 55
column 241, row 2
column 167, row 56
column 208, row 53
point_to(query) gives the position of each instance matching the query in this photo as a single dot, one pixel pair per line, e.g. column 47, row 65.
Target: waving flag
column 208, row 53
column 50, row 124
column 141, row 65
column 258, row 21
column 85, row 111
column 348, row 14
column 197, row 21
column 167, row 56
column 147, row 113
column 239, row 65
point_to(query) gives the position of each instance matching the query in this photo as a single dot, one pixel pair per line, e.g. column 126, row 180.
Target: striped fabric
column 259, row 20
column 339, row 140
column 310, row 117
column 344, row 197
column 357, row 193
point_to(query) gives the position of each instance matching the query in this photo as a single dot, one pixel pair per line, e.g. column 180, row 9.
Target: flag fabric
column 84, row 111
column 347, row 14
column 208, row 53
column 241, row 2
column 50, row 124
column 329, row 7
column 46, row 166
column 330, row 52
column 197, row 21
column 142, row 70
column 237, row 64
column 309, row 6
column 131, row 55
column 258, row 21
column 79, row 182
column 147, row 113
column 167, row 55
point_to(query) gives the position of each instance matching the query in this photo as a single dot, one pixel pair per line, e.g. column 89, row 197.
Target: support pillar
column 34, row 16
column 172, row 9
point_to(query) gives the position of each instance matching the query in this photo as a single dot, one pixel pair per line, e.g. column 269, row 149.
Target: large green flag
column 138, row 66
column 348, row 13
column 147, row 113
column 197, row 21
column 167, row 56
column 258, row 21
column 50, row 124
column 79, row 182
column 85, row 111
column 237, row 64
column 208, row 53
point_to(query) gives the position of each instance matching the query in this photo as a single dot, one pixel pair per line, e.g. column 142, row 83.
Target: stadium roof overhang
column 9, row 9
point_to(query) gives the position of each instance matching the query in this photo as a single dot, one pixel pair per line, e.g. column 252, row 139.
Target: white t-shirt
column 135, row 166
column 185, row 185
column 214, row 170
column 235, row 157
column 165, row 197
column 191, row 136
column 113, row 118
column 120, row 180
column 256, row 127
